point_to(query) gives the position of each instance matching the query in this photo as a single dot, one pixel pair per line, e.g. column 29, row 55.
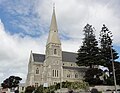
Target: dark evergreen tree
column 106, row 48
column 92, row 76
column 12, row 82
column 88, row 54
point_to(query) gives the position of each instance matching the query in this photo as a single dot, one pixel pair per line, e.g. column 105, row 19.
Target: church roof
column 38, row 57
column 69, row 56
column 66, row 57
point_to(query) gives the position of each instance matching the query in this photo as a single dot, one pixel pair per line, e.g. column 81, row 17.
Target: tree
column 105, row 51
column 88, row 54
column 30, row 89
column 12, row 82
column 92, row 76
column 106, row 47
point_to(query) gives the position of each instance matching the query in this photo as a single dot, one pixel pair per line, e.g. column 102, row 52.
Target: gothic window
column 36, row 84
column 76, row 75
column 55, row 51
column 53, row 73
column 68, row 75
column 22, row 88
column 57, row 73
column 37, row 71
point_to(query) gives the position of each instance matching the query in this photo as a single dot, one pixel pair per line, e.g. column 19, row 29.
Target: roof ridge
column 69, row 52
column 38, row 53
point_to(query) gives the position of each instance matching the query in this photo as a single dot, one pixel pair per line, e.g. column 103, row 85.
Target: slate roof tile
column 66, row 57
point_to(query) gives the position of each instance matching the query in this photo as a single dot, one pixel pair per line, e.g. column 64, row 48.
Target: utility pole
column 113, row 69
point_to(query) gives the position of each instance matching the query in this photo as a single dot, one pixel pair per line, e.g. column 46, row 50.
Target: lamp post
column 113, row 69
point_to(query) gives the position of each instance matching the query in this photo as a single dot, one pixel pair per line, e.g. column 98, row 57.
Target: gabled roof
column 66, row 57
column 69, row 56
column 38, row 57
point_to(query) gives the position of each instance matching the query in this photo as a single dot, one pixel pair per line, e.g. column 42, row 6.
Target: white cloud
column 73, row 16
column 15, row 51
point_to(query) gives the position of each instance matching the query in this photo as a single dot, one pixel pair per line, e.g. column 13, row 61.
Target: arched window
column 23, row 88
column 55, row 51
column 37, row 71
column 57, row 73
column 53, row 73
column 76, row 75
column 68, row 75
column 36, row 85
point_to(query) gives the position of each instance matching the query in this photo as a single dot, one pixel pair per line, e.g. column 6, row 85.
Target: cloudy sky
column 24, row 26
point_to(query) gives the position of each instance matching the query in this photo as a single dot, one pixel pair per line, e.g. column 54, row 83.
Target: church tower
column 55, row 66
column 53, row 46
column 53, row 58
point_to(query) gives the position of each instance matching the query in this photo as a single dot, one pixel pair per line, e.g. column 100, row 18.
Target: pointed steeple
column 53, row 26
column 53, row 33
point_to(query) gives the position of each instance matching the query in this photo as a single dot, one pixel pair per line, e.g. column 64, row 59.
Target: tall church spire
column 53, row 25
column 53, row 33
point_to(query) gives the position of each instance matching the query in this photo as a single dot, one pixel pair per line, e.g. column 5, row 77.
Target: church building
column 55, row 65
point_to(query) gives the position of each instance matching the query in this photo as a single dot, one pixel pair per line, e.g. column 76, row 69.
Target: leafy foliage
column 11, row 82
column 94, row 90
column 69, row 85
column 42, row 89
column 88, row 54
column 75, row 85
column 29, row 89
